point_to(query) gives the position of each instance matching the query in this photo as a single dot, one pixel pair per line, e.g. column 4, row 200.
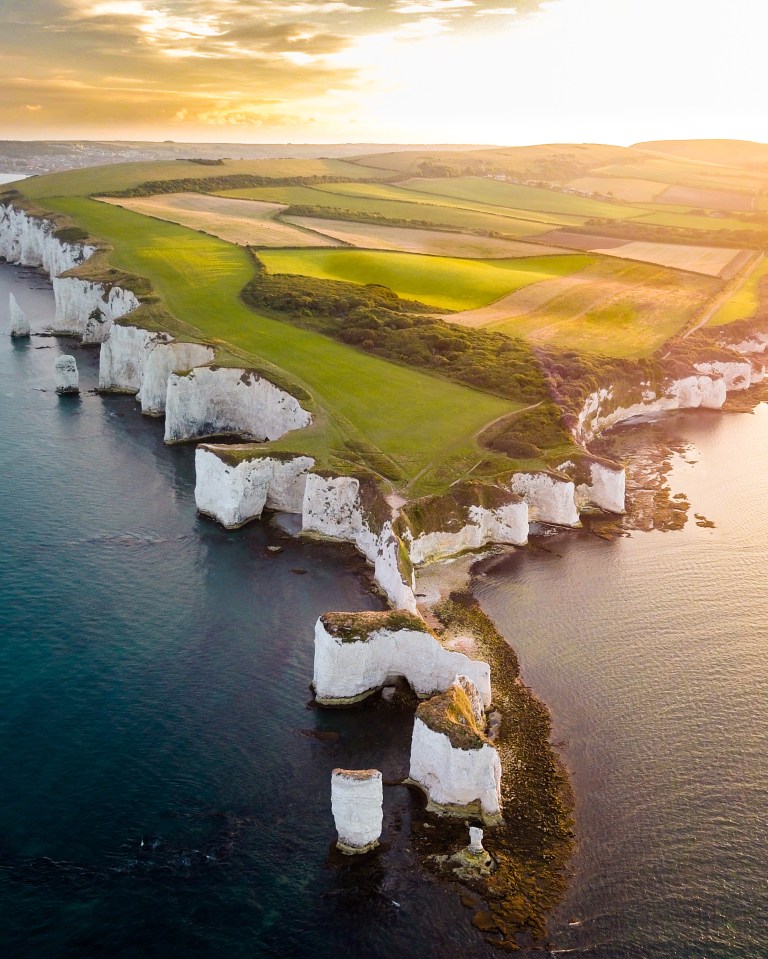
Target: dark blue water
column 157, row 795
column 653, row 655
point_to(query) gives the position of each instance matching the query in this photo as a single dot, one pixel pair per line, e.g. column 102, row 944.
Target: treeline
column 218, row 184
column 376, row 320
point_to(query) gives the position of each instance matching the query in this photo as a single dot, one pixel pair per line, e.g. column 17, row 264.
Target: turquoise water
column 651, row 652
column 159, row 795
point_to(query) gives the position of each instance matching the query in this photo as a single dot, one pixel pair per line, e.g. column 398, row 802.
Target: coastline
column 519, row 917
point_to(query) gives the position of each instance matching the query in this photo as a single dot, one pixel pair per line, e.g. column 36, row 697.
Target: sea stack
column 19, row 321
column 67, row 377
column 357, row 797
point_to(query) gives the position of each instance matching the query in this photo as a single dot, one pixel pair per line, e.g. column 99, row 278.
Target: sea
column 165, row 787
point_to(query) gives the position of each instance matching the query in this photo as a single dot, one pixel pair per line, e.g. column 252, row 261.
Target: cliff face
column 168, row 357
column 87, row 309
column 358, row 653
column 235, row 493
column 123, row 358
column 30, row 241
column 451, row 759
column 218, row 401
column 333, row 507
column 611, row 405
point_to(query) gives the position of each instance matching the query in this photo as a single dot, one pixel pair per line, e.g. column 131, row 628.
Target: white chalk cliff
column 219, row 401
column 123, row 357
column 357, row 797
column 30, row 241
column 235, row 492
column 88, row 309
column 168, row 356
column 599, row 484
column 603, row 409
column 333, row 508
column 452, row 760
column 358, row 653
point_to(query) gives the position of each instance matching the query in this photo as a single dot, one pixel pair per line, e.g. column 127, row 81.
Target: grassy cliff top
column 359, row 627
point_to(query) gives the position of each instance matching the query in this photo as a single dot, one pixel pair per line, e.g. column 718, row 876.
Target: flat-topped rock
column 357, row 797
column 67, row 377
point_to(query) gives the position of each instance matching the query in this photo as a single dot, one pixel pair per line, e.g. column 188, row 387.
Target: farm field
column 746, row 300
column 516, row 196
column 623, row 188
column 623, row 310
column 711, row 261
column 443, row 282
column 244, row 222
column 708, row 199
column 408, row 212
column 413, row 418
column 411, row 194
column 693, row 221
column 429, row 242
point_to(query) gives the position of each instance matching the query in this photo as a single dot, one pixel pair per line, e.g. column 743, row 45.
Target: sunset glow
column 489, row 71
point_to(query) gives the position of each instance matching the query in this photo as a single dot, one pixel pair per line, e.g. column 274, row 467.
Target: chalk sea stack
column 67, row 377
column 19, row 321
column 357, row 797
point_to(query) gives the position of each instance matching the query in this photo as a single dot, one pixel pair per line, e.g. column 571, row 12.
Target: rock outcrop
column 19, row 321
column 356, row 654
column 212, row 401
column 67, row 377
column 468, row 516
column 346, row 509
column 452, row 760
column 234, row 485
column 357, row 797
column 551, row 498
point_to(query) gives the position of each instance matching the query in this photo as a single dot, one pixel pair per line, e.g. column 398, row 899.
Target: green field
column 516, row 196
column 410, row 212
column 412, row 418
column 444, row 282
column 744, row 303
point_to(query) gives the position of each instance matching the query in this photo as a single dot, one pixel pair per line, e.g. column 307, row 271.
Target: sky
column 390, row 71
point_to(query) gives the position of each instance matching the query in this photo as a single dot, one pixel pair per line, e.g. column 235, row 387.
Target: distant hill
column 720, row 152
